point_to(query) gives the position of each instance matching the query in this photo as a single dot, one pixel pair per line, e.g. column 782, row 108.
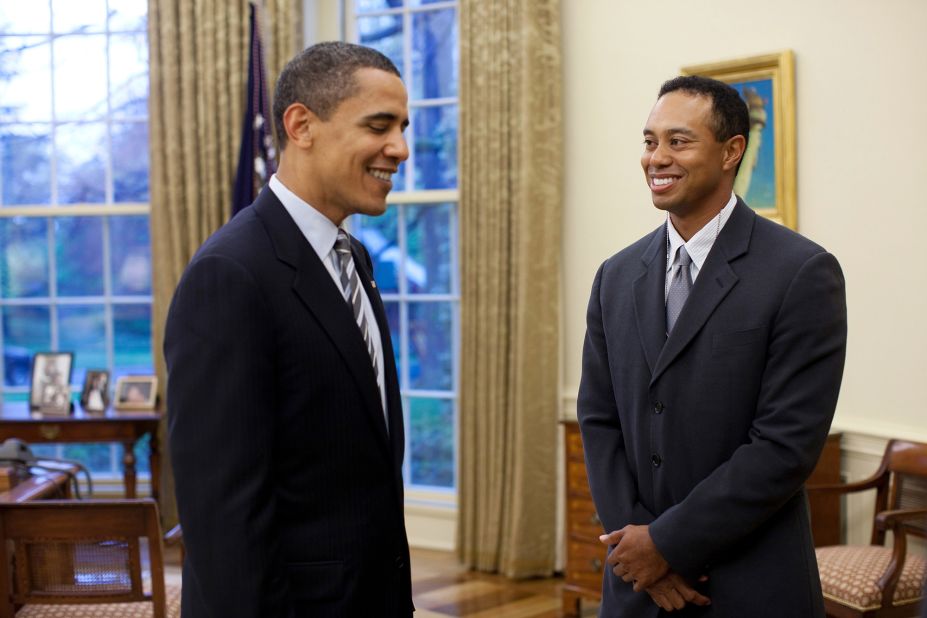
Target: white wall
column 861, row 88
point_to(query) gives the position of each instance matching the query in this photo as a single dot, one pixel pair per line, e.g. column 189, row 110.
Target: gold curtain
column 510, row 218
column 198, row 78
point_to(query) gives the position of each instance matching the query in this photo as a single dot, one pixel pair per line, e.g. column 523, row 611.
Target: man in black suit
column 285, row 420
column 713, row 357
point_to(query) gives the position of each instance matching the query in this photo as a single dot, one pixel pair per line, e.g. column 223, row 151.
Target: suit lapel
column 649, row 303
column 315, row 288
column 715, row 281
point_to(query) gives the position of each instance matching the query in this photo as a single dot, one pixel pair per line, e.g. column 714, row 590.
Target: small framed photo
column 766, row 180
column 136, row 393
column 50, row 388
column 94, row 397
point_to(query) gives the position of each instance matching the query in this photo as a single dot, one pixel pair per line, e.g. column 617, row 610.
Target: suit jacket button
column 400, row 563
column 656, row 460
column 658, row 407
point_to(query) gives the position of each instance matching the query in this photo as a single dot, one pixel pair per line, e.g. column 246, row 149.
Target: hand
column 639, row 559
column 673, row 592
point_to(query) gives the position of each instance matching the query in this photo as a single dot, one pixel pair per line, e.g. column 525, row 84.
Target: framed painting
column 766, row 180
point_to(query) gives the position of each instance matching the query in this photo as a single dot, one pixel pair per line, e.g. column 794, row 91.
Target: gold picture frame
column 136, row 393
column 766, row 180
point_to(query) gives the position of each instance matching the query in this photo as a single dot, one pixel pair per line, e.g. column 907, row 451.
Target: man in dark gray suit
column 285, row 420
column 713, row 358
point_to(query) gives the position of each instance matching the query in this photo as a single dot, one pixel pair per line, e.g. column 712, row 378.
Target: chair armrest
column 845, row 488
column 896, row 521
column 174, row 536
column 892, row 520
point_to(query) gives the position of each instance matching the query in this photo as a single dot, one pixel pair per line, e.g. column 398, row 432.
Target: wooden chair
column 872, row 580
column 84, row 559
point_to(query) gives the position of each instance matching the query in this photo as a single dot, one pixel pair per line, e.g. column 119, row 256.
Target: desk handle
column 596, row 565
column 49, row 432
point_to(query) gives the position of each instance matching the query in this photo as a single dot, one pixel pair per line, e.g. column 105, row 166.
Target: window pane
column 80, row 76
column 25, row 78
column 130, row 251
column 142, row 464
column 24, row 16
column 431, row 441
column 24, row 257
column 81, row 330
column 430, row 346
column 70, row 16
column 26, row 330
column 434, row 54
column 95, row 456
column 25, row 152
column 128, row 72
column 392, row 316
column 383, row 33
column 79, row 255
column 130, row 162
column 435, row 131
column 132, row 340
column 428, row 241
column 363, row 6
column 81, row 163
column 380, row 237
column 128, row 14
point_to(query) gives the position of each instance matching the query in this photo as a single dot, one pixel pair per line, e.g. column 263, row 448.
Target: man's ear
column 733, row 152
column 300, row 124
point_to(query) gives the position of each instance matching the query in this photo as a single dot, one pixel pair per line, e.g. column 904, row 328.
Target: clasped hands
column 635, row 559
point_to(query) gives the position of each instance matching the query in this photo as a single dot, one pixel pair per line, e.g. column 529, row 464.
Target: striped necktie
column 351, row 286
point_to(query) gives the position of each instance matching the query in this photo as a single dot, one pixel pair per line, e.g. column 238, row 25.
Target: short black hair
column 729, row 112
column 321, row 77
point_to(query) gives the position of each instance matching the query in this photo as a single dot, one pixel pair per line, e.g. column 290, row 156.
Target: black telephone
column 15, row 451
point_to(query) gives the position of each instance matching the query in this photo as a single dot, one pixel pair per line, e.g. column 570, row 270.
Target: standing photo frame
column 136, row 393
column 94, row 395
column 50, row 387
column 767, row 177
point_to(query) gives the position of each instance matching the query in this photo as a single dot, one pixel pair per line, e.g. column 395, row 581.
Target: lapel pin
column 373, row 283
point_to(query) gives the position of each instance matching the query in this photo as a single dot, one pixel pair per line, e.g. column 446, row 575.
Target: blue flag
column 256, row 157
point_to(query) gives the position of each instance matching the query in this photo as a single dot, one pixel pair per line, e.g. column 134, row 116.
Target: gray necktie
column 679, row 289
column 351, row 285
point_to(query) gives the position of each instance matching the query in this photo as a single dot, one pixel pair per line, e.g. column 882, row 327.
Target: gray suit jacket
column 708, row 435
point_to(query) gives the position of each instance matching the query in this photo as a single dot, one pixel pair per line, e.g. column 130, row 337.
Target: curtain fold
column 198, row 63
column 510, row 219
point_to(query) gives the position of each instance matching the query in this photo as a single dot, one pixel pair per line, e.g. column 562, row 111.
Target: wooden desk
column 126, row 428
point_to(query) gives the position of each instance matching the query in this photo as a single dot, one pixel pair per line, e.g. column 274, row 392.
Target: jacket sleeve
column 795, row 407
column 218, row 347
column 613, row 487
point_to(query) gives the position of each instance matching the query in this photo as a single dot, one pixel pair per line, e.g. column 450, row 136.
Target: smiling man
column 713, row 358
column 285, row 421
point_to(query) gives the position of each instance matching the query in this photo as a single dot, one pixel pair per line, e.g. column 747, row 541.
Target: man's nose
column 396, row 147
column 660, row 156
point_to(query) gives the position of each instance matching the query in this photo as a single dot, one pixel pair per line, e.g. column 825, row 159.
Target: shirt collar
column 316, row 227
column 702, row 241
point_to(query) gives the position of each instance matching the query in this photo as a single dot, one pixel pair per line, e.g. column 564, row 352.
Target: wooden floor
column 441, row 588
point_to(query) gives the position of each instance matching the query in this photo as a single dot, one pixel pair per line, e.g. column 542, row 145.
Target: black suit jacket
column 289, row 486
column 709, row 434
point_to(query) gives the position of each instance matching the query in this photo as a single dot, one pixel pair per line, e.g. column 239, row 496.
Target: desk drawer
column 585, row 564
column 583, row 523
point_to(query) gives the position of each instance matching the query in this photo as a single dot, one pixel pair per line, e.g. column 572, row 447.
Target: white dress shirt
column 321, row 234
column 699, row 245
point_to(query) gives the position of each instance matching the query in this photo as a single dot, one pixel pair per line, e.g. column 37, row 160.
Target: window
column 75, row 265
column 414, row 245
